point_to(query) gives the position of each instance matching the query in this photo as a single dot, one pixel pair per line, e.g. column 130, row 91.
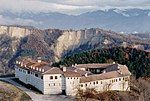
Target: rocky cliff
column 52, row 44
column 15, row 31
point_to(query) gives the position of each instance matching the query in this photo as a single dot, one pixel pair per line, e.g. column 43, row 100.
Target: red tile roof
column 54, row 70
column 123, row 71
column 94, row 65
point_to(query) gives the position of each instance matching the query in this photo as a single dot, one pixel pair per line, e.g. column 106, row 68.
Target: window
column 101, row 82
column 55, row 77
column 54, row 84
column 86, row 85
column 119, row 79
column 68, row 77
column 28, row 72
column 36, row 75
column 51, row 77
column 41, row 77
column 116, row 80
column 71, row 77
column 126, row 79
column 81, row 85
column 96, row 82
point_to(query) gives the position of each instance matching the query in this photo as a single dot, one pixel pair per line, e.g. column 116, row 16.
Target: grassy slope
column 9, row 92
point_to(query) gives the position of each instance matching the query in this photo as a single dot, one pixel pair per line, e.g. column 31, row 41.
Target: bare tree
column 143, row 87
column 84, row 95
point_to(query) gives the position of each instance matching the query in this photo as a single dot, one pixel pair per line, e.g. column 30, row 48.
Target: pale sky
column 69, row 6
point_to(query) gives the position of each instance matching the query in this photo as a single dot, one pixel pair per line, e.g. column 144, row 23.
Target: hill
column 138, row 61
column 9, row 92
column 54, row 44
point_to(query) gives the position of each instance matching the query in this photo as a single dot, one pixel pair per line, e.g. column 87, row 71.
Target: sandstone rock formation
column 55, row 43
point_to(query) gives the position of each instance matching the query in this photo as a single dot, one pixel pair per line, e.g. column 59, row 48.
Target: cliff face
column 15, row 31
column 54, row 43
column 73, row 41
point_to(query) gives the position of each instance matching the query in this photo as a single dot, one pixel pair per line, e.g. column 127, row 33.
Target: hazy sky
column 69, row 6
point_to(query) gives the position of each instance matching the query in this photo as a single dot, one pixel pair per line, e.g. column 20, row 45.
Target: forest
column 138, row 61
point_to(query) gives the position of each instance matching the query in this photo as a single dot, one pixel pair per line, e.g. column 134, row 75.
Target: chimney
column 64, row 69
column 119, row 72
column 86, row 74
column 104, row 71
column 114, row 63
column 21, row 64
column 75, row 65
column 42, row 70
column 75, row 70
column 16, row 62
column 39, row 60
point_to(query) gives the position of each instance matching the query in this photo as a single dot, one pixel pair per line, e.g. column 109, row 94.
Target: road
column 36, row 96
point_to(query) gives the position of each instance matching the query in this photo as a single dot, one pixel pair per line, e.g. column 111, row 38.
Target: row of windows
column 36, row 75
column 116, row 80
column 72, row 77
column 94, row 83
column 54, row 84
column 111, row 81
column 22, row 70
column 54, row 77
column 31, row 73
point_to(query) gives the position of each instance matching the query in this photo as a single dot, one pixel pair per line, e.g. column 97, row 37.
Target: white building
column 67, row 80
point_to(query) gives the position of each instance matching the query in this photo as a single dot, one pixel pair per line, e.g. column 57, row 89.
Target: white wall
column 105, row 85
column 36, row 81
column 72, row 84
column 31, row 79
column 52, row 86
column 21, row 74
column 69, row 84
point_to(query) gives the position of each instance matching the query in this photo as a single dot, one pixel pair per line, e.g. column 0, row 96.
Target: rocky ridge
column 53, row 44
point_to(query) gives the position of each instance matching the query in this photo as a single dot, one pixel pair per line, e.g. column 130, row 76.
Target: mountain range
column 54, row 44
column 124, row 21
